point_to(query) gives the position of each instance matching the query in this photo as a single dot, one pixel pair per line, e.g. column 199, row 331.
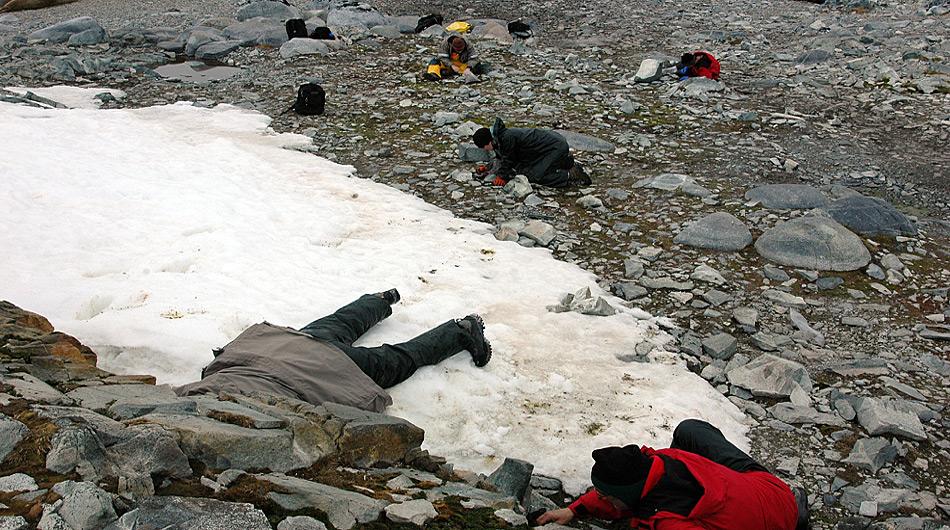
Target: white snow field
column 154, row 235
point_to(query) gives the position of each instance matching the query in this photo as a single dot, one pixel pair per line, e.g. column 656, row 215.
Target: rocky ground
column 830, row 331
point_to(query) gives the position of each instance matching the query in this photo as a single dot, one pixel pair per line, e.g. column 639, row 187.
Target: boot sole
column 481, row 335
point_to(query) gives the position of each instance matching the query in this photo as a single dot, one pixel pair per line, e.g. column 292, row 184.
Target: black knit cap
column 481, row 137
column 621, row 472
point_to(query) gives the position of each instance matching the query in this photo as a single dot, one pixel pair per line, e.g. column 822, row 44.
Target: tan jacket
column 286, row 362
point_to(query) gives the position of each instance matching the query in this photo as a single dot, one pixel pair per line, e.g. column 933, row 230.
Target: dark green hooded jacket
column 541, row 155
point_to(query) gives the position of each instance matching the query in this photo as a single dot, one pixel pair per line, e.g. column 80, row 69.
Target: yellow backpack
column 459, row 26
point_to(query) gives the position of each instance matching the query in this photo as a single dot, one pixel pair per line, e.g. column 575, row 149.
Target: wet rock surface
column 846, row 102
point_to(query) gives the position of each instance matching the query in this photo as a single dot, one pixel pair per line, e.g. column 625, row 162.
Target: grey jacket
column 286, row 362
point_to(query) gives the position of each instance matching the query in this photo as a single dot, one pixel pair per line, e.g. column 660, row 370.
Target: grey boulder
column 872, row 453
column 879, row 416
column 11, row 432
column 787, row 196
column 716, row 231
column 771, row 376
column 193, row 513
column 513, row 478
column 870, row 216
column 267, row 9
column 83, row 506
column 665, row 182
column 650, row 70
column 813, row 243
column 257, row 31
column 301, row 46
column 88, row 37
column 355, row 17
column 62, row 31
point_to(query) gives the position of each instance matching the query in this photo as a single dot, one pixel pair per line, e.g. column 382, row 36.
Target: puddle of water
column 196, row 72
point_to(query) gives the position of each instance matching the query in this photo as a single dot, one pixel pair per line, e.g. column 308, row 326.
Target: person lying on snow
column 698, row 64
column 541, row 155
column 319, row 363
column 456, row 57
column 701, row 482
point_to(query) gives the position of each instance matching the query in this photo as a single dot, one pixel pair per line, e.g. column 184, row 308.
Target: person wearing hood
column 542, row 155
column 319, row 363
column 701, row 482
column 698, row 64
column 457, row 56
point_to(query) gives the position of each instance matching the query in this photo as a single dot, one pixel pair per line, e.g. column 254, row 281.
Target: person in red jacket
column 702, row 482
column 698, row 64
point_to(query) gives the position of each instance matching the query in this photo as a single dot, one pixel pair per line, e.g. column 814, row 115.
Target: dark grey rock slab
column 513, row 478
column 870, row 216
column 62, row 31
column 716, row 231
column 11, row 433
column 344, row 508
column 872, row 454
column 720, row 346
column 879, row 417
column 584, row 142
column 257, row 32
column 813, row 243
column 267, row 9
column 193, row 513
column 84, row 505
column 222, row 445
column 217, row 50
column 787, row 196
column 771, row 376
column 358, row 16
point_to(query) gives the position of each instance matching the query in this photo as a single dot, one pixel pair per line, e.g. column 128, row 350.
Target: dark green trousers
column 389, row 364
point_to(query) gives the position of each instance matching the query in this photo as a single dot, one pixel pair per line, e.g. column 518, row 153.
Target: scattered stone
column 303, row 46
column 17, row 482
column 62, row 31
column 705, row 273
column 83, row 506
column 879, row 416
column 665, row 181
column 513, row 478
column 785, row 299
column 855, row 322
column 815, row 243
column 301, row 522
column 540, row 232
column 720, row 346
column 746, row 317
column 872, row 454
column 11, row 432
column 417, row 512
column 717, row 231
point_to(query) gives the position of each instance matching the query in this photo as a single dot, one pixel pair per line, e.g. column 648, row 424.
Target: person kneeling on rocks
column 701, row 481
column 319, row 363
column 542, row 155
column 698, row 64
column 456, row 57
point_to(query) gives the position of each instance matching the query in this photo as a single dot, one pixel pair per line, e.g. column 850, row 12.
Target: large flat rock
column 716, row 231
column 344, row 508
column 192, row 513
column 813, row 243
column 583, row 142
column 787, row 196
column 870, row 216
column 771, row 376
column 223, row 446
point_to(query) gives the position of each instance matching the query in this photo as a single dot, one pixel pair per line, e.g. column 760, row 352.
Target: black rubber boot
column 801, row 500
column 479, row 347
column 391, row 296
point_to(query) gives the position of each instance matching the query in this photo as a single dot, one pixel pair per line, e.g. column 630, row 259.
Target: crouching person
column 542, row 155
column 318, row 363
column 698, row 64
column 701, row 482
column 456, row 57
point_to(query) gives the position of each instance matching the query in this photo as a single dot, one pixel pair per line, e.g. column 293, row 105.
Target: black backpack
column 322, row 33
column 311, row 100
column 296, row 28
column 427, row 21
column 519, row 29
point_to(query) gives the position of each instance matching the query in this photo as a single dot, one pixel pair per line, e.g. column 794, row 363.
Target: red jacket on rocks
column 730, row 500
column 711, row 71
